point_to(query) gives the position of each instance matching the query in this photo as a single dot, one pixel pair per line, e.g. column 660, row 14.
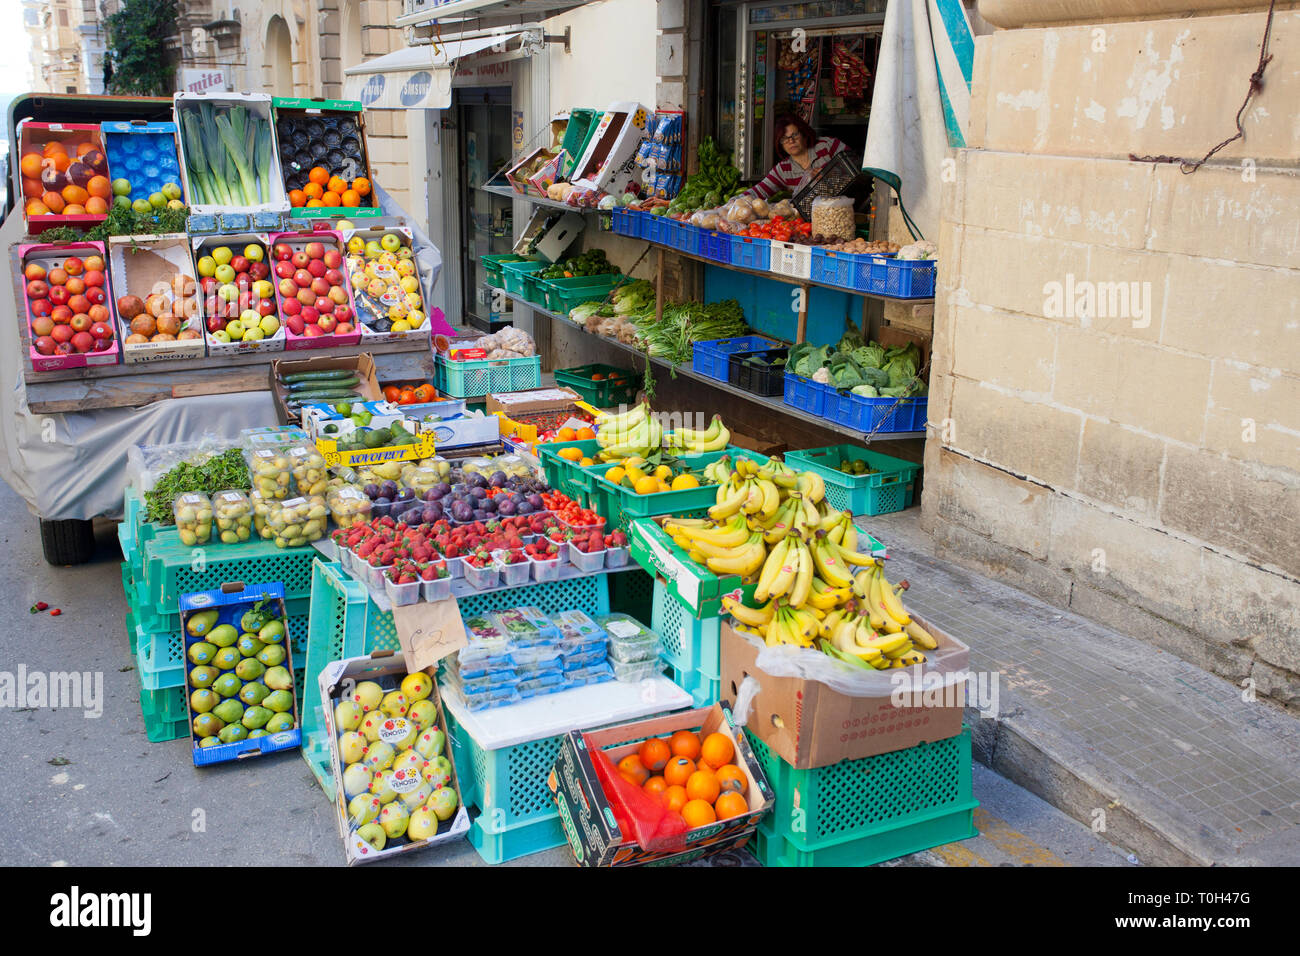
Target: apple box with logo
column 329, row 135
column 239, row 672
column 236, row 289
column 395, row 784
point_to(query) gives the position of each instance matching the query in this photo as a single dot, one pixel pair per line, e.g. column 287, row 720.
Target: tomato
column 425, row 393
column 391, row 392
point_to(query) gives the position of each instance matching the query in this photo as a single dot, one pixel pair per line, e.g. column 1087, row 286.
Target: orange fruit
column 96, row 206
column 702, row 785
column 351, row 198
column 570, row 453
column 313, row 190
column 654, row 754
column 678, row 770
column 83, row 148
column 54, row 147
column 631, row 766
column 319, row 175
column 32, row 188
column 655, row 786
column 54, row 201
column 732, row 779
column 337, row 185
column 315, row 204
column 31, row 165
column 297, row 198
column 674, row 798
column 685, row 744
column 37, row 208
column 361, row 185
column 730, row 805
column 717, row 750
column 75, row 194
column 698, row 813
column 74, row 209
column 566, row 434
column 60, row 161
column 100, row 186
column 332, row 199
column 585, row 434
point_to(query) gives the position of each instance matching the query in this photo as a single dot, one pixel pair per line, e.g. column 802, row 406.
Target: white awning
column 419, row 77
column 485, row 12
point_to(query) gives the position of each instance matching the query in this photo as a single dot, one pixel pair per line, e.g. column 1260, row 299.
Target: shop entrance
column 483, row 124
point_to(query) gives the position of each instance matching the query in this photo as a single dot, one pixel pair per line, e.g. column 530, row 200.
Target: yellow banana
column 892, row 605
column 912, row 657
column 806, row 626
column 771, row 567
column 862, row 583
column 728, row 506
column 920, row 636
column 786, row 573
column 730, row 534
column 899, row 652
column 803, row 577
column 830, row 622
column 874, row 611
column 812, row 486
column 891, row 645
column 892, row 626
column 771, row 497
column 851, row 557
column 850, row 540
column 754, row 617
column 744, row 560
column 833, row 571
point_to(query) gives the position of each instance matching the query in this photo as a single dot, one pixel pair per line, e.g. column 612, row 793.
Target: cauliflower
column 822, row 375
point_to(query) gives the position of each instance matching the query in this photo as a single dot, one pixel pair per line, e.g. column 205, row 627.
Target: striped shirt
column 789, row 176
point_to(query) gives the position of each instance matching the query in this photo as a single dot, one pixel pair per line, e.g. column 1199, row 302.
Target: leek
column 200, row 175
column 263, row 164
column 234, row 146
column 216, row 155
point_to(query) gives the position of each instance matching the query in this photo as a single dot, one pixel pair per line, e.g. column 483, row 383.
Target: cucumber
column 297, row 401
column 337, row 384
column 322, row 376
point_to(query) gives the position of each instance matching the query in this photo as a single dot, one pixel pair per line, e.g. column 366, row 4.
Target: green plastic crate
column 690, row 645
column 577, row 134
column 623, row 505
column 888, row 490
column 859, row 812
column 602, row 393
column 632, row 593
column 172, row 568
column 492, row 263
column 472, row 378
column 567, row 476
column 513, row 273
column 166, row 716
column 561, row 295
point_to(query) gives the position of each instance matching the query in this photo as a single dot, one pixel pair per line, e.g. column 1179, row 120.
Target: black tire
column 68, row 542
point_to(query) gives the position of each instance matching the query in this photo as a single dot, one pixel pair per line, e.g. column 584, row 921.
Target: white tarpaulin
column 419, row 77
column 921, row 103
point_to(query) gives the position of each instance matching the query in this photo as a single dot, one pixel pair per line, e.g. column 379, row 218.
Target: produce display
column 864, row 368
column 312, row 287
column 238, row 295
column 385, row 284
column 204, row 473
column 234, row 514
column 320, row 188
column 714, row 183
column 64, row 173
column 693, row 778
column 327, row 385
column 170, row 313
column 590, row 263
column 228, row 154
column 860, row 246
column 66, row 298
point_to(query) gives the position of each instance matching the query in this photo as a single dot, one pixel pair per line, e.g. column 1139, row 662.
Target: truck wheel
column 68, row 542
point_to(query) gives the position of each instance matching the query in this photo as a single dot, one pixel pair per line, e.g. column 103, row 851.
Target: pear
column 227, row 685
column 253, row 693
column 208, row 725
column 348, row 715
column 430, row 743
column 250, row 668
column 381, row 787
column 232, row 733
column 226, row 658
column 393, row 817
column 368, row 694
column 249, row 645
column 201, row 652
column 272, row 655
column 417, row 686
column 352, row 747
column 422, row 825
column 278, row 701
column 199, row 624
column 356, row 779
column 373, row 834
column 203, row 676
column 394, row 704
column 437, row 771
column 256, row 717
column 278, row 678
column 379, row 756
column 271, row 632
column 223, row 635
column 444, row 803
column 362, row 809
column 209, row 741
column 230, row 711
column 203, row 700
column 414, row 799
column 422, row 713
column 259, row 732
column 279, row 722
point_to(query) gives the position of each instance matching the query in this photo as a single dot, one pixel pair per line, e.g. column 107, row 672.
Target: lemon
column 633, row 472
column 585, row 462
column 682, row 482
column 664, row 472
column 632, row 460
column 615, row 475
column 646, row 485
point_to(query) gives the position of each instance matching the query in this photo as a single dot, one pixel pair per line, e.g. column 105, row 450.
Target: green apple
column 372, row 834
column 230, row 710
column 234, row 330
column 253, row 334
column 277, row 678
column 249, row 645
column 347, row 715
column 444, row 803
column 209, row 741
column 223, row 255
column 380, row 786
column 371, row 723
column 362, row 808
column 373, row 249
column 269, row 325
column 233, row 733
column 430, row 743
column 394, row 704
column 422, row 713
column 171, row 190
column 390, row 242
column 356, row 779
column 203, row 700
column 379, row 756
column 256, row 717
column 142, row 206
column 272, row 655
column 221, row 336
column 175, row 204
column 417, row 686
column 368, row 694
column 207, row 725
column 410, row 761
column 393, row 817
column 280, row 701
column 414, row 799
column 225, row 272
column 227, row 685
column 423, row 824
column 279, row 722
column 226, row 658
column 437, row 771
column 263, row 289
column 272, row 632
column 201, row 652
column 253, row 252
column 157, row 200
column 122, row 202
column 352, row 747
column 252, row 693
column 223, row 635
column 203, row 676
column 249, row 318
column 121, row 187
column 228, row 292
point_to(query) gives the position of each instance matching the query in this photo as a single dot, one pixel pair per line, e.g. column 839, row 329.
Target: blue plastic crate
column 805, row 394
column 646, row 225
column 750, row 252
column 688, row 643
column 903, row 278
column 687, row 238
column 144, row 154
column 620, row 222
column 710, row 358
column 715, row 246
column 885, row 415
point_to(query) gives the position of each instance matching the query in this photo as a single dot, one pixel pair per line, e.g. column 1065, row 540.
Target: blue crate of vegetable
column 710, row 358
column 145, row 155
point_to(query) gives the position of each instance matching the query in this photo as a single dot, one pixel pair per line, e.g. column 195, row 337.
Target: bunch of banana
column 719, row 471
column 694, row 442
column 633, row 433
column 778, row 622
column 884, row 609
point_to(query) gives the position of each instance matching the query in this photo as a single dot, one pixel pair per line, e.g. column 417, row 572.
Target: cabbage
column 866, row 391
column 822, row 375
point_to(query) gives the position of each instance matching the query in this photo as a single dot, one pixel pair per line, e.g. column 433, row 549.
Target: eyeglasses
column 792, row 138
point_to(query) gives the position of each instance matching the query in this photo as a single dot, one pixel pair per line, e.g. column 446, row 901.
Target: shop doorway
column 483, row 146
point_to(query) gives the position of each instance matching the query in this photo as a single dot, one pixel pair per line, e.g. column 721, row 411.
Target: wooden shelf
column 509, row 193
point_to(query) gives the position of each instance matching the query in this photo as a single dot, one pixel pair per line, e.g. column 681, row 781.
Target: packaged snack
column 527, row 625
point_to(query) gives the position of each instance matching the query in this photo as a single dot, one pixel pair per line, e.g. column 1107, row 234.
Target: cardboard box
column 275, row 198
column 49, row 257
column 370, row 305
column 554, row 399
column 32, row 138
column 232, row 600
column 808, row 724
column 588, row 820
column 144, row 265
column 425, row 447
column 237, row 243
column 609, row 161
column 386, row 668
column 461, row 431
column 551, row 240
column 521, row 174
column 363, row 364
column 290, row 112
column 330, row 238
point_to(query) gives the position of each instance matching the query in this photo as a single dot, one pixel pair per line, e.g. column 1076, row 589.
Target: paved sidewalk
column 1177, row 765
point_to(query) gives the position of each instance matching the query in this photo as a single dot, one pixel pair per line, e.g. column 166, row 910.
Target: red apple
column 303, row 278
column 314, row 249
column 344, row 328
column 266, row 307
column 288, row 288
column 247, row 300
column 323, row 305
column 281, row 252
column 63, row 333
column 333, row 259
column 343, row 312
column 96, row 295
column 284, row 270
column 101, row 330
column 333, row 277
column 316, row 268
column 320, row 286
column 73, row 266
column 83, row 341
column 295, row 324
column 327, row 323
column 61, row 314
column 239, row 264
column 93, row 278
column 103, row 345
column 209, row 285
column 60, row 295
column 38, row 289
column 42, row 325
column 42, row 307
column 80, row 323
column 64, row 348
column 291, row 307
column 45, row 345
column 79, row 303
column 34, row 270
column 215, row 322
column 312, row 331
column 300, row 260
column 259, row 270
column 337, row 295
column 310, row 315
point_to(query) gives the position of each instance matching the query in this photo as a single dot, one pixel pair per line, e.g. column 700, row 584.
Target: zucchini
column 335, row 384
column 322, row 376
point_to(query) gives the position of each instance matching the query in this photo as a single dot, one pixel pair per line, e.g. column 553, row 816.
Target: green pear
column 368, row 694
column 254, row 693
column 278, row 701
column 223, row 635
column 203, row 676
column 250, row 668
column 394, row 817
column 348, row 715
column 231, row 733
column 394, row 704
column 437, row 771
column 201, row 652
column 249, row 645
column 209, row 741
column 227, row 685
column 356, row 779
column 430, row 743
column 423, row 824
column 259, row 732
column 201, row 622
column 279, row 722
column 230, row 711
column 278, row 678
column 379, row 756
column 422, row 714
column 363, row 808
column 271, row 633
column 226, row 658
column 256, row 717
column 444, row 803
column 417, row 686
column 207, row 725
column 373, row 834
column 352, row 747
column 203, row 700
column 272, row 655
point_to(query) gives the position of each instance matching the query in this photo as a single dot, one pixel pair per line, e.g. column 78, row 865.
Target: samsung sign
column 373, row 90
column 416, row 88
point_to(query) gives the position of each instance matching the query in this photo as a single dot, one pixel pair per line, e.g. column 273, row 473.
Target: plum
column 523, row 508
column 431, row 513
column 498, row 479
column 535, row 501
column 506, row 508
column 371, row 490
column 488, row 504
column 406, row 494
column 388, row 489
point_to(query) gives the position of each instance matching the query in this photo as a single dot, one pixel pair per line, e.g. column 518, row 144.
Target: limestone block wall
column 1115, row 390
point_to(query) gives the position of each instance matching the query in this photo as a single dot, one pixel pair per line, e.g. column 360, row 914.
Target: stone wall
column 1137, row 460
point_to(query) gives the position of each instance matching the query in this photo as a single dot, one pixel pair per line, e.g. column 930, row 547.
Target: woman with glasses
column 801, row 153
